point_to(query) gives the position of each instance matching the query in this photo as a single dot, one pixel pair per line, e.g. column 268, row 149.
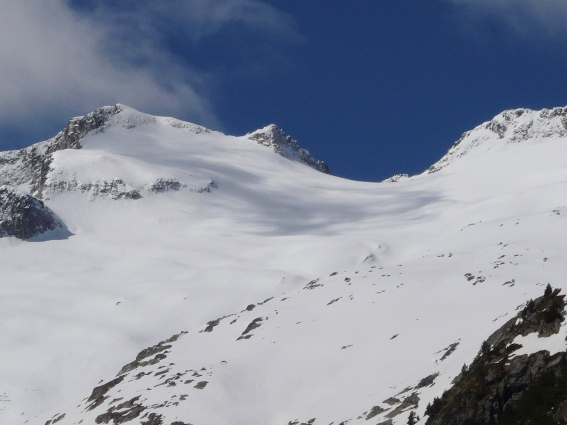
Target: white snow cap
column 508, row 127
column 301, row 295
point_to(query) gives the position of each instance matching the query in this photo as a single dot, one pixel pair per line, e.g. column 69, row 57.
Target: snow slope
column 338, row 297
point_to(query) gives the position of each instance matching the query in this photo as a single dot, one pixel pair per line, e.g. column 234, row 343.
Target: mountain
column 509, row 127
column 273, row 137
column 175, row 275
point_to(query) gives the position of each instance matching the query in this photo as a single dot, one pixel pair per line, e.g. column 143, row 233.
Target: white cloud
column 56, row 61
column 531, row 18
column 202, row 18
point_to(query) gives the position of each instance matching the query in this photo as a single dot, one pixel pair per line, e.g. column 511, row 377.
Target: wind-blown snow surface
column 366, row 288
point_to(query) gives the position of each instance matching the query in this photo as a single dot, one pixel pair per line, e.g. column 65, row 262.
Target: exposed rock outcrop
column 500, row 387
column 119, row 189
column 157, row 350
column 24, row 216
column 396, row 178
column 274, row 138
column 31, row 165
column 114, row 189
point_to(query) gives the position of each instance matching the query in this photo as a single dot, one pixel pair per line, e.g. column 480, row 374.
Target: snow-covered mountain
column 281, row 294
column 514, row 126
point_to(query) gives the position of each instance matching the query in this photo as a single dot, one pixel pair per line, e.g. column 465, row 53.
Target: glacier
column 281, row 294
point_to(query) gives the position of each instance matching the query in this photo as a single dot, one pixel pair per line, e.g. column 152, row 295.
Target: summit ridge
column 512, row 126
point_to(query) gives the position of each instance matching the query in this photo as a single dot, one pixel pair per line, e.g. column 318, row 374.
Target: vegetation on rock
column 499, row 387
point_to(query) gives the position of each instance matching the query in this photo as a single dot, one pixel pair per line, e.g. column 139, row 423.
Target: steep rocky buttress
column 503, row 387
column 23, row 216
column 30, row 166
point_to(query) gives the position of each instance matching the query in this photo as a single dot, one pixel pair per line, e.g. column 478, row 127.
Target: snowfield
column 339, row 301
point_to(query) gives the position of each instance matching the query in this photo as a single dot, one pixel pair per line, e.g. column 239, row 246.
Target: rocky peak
column 30, row 166
column 274, row 138
column 78, row 128
column 512, row 126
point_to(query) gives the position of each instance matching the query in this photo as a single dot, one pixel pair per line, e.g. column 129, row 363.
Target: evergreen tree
column 412, row 419
column 531, row 306
column 433, row 409
column 548, row 290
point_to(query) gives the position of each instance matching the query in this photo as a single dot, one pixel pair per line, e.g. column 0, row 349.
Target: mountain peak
column 509, row 127
column 276, row 139
column 250, row 261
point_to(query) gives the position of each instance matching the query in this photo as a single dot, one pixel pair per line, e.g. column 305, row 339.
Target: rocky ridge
column 118, row 189
column 512, row 126
column 504, row 388
column 24, row 215
column 274, row 138
column 29, row 166
column 159, row 380
column 26, row 180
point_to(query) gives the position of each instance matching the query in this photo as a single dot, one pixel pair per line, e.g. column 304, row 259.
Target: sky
column 371, row 87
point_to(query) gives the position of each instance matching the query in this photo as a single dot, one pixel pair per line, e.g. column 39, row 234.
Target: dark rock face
column 427, row 381
column 23, row 216
column 153, row 419
column 31, row 165
column 255, row 324
column 157, row 349
column 99, row 393
column 211, row 325
column 499, row 387
column 55, row 420
column 78, row 128
column 124, row 412
column 410, row 402
column 137, row 409
column 201, row 385
column 273, row 137
column 375, row 411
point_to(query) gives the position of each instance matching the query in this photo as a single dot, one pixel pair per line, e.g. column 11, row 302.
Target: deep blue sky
column 372, row 87
column 383, row 87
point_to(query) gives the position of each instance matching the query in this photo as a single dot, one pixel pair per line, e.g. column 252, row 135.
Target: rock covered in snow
column 30, row 166
column 274, row 138
column 33, row 169
column 513, row 126
column 503, row 381
column 396, row 178
column 114, row 189
column 23, row 216
column 165, row 185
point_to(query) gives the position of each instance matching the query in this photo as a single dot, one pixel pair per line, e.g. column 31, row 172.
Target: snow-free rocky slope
column 183, row 276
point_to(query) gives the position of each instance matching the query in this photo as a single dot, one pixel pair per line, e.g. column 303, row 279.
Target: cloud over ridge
column 59, row 59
